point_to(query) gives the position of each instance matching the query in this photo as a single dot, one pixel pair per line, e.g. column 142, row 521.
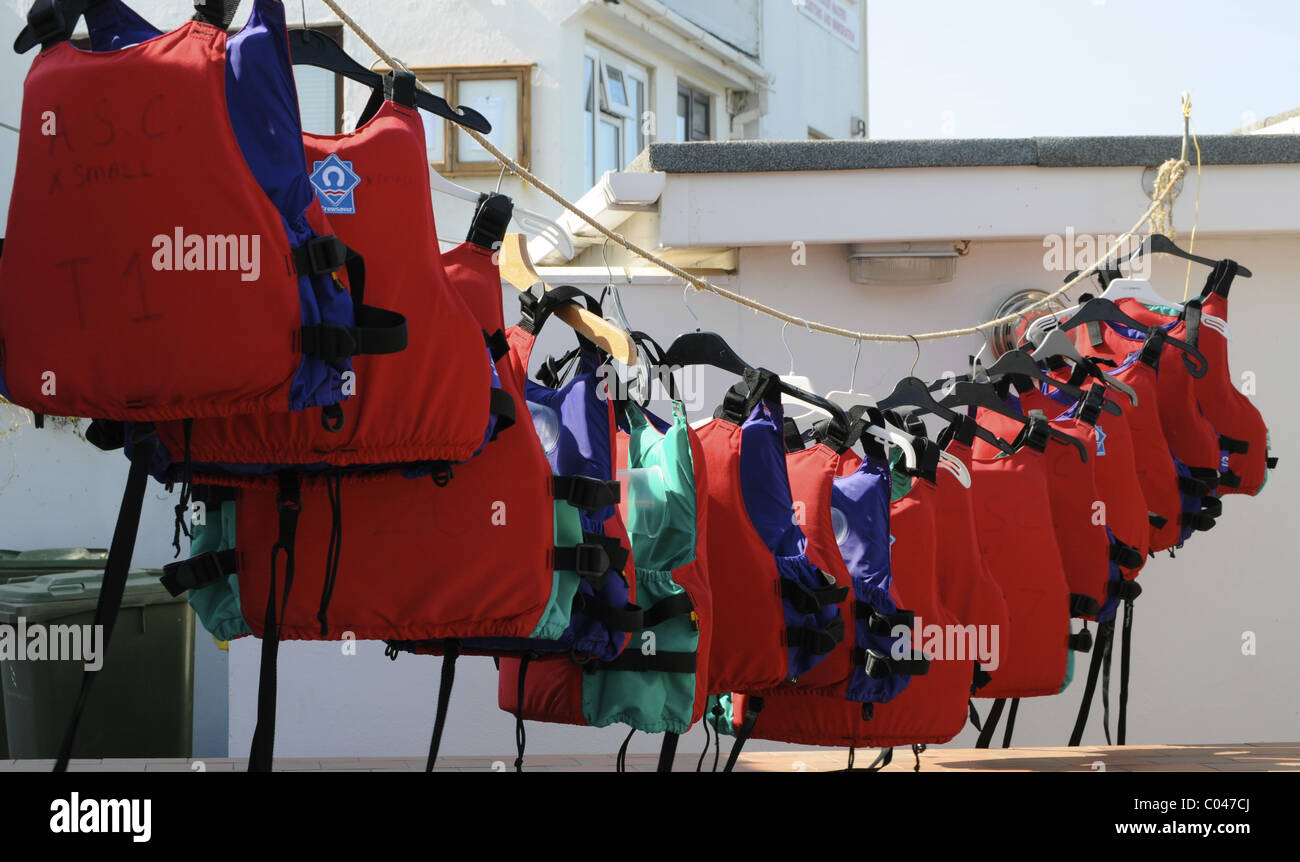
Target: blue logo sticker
column 335, row 181
column 1101, row 441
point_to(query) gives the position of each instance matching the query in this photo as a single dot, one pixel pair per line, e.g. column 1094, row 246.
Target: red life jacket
column 1243, row 436
column 428, row 404
column 1072, row 489
column 778, row 616
column 1013, row 516
column 1116, row 472
column 149, row 308
column 932, row 708
column 966, row 586
column 1191, row 437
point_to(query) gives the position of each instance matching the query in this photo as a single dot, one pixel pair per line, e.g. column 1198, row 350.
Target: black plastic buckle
column 1124, row 590
column 320, row 255
column 1082, row 605
column 590, row 560
column 1080, row 641
column 584, row 492
column 883, row 625
column 193, row 574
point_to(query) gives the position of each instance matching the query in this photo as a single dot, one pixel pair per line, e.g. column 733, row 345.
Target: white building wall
column 818, row 80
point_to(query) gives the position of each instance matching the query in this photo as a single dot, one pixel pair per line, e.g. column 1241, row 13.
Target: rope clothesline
column 1170, row 173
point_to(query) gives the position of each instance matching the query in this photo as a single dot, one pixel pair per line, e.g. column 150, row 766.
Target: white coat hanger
column 798, row 381
column 887, row 435
column 529, row 222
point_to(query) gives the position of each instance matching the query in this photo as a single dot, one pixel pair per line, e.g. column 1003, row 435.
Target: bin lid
column 46, row 597
column 52, row 559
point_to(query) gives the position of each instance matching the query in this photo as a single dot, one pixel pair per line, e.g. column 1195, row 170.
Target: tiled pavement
column 1249, row 757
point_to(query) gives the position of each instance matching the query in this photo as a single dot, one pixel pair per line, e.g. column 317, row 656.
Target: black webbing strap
column 491, row 220
column 1229, row 479
column 218, row 13
column 979, row 679
column 1220, row 278
column 1091, row 406
column 743, row 397
column 144, row 440
column 1211, row 507
column 620, row 760
column 334, row 551
column 1125, row 556
column 1208, row 477
column 628, row 618
column 991, row 723
column 1192, row 486
column 1104, row 633
column 198, row 572
column 521, row 737
column 816, row 641
column 877, row 666
column 1080, row 641
column 1233, row 446
column 792, row 436
column 1106, row 648
column 1011, row 724
column 106, row 435
column 498, row 345
column 377, row 330
column 753, row 706
column 1271, row 462
column 1126, row 642
column 1197, row 521
column 1125, row 590
column 1192, row 321
column 635, row 661
column 1157, row 521
column 502, row 404
column 554, row 370
column 880, row 624
column 450, row 652
column 1083, row 605
column 676, row 605
column 183, row 504
column 1153, row 346
column 289, row 503
column 585, row 493
column 537, row 304
column 668, row 750
column 972, row 713
column 810, row 600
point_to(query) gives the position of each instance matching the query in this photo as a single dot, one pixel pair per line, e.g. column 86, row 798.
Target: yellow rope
column 1173, row 170
column 1191, row 243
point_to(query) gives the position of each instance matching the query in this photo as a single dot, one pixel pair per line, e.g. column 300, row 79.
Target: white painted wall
column 822, row 94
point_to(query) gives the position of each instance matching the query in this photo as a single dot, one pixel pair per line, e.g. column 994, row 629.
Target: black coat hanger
column 1018, row 363
column 313, row 48
column 986, row 396
column 1103, row 310
column 1160, row 244
column 912, row 392
column 710, row 348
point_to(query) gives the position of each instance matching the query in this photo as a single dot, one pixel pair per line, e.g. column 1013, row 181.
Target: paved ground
column 1251, row 757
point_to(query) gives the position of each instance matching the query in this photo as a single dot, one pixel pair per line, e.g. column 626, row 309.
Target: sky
column 1019, row 68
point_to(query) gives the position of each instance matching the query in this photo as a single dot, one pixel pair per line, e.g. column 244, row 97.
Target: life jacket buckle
column 193, row 574
column 1080, row 641
column 320, row 255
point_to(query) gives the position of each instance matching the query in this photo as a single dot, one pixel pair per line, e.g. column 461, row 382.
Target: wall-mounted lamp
column 906, row 263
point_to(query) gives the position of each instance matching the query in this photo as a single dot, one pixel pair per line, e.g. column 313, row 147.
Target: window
column 693, row 121
column 615, row 93
column 500, row 93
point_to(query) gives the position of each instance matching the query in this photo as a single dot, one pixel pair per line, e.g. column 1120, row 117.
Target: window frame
column 692, row 94
column 627, row 116
column 451, row 77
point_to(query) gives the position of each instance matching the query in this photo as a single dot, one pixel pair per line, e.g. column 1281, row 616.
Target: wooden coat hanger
column 517, row 269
